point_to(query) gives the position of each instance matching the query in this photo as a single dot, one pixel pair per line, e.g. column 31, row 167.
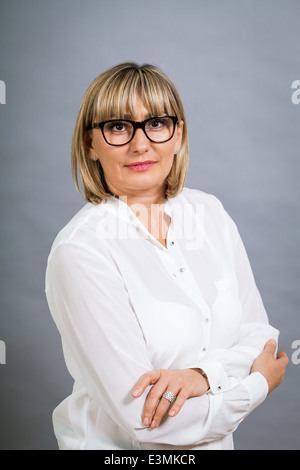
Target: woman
column 150, row 286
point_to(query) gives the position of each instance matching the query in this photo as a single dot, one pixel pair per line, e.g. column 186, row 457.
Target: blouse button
column 181, row 270
column 204, row 349
column 172, row 243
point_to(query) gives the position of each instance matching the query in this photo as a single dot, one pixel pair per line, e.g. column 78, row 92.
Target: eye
column 156, row 124
column 118, row 126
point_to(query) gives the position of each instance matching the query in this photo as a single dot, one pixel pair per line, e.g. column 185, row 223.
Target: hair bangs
column 157, row 99
column 117, row 100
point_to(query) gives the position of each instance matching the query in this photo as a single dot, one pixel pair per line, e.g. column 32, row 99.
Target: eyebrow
column 128, row 116
column 148, row 116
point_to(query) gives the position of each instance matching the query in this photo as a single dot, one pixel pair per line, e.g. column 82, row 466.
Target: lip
column 141, row 166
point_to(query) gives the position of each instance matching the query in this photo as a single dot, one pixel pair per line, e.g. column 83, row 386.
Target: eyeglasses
column 121, row 131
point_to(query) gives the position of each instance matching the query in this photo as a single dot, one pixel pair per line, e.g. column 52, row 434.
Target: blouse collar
column 122, row 211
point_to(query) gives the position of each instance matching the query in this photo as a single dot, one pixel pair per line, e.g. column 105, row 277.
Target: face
column 142, row 181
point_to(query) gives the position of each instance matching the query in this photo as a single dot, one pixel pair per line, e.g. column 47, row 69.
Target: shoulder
column 195, row 196
column 207, row 206
column 81, row 230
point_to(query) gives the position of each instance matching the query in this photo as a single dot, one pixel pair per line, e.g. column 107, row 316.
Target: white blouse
column 124, row 304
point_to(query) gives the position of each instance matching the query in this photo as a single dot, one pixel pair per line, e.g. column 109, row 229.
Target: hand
column 272, row 369
column 184, row 384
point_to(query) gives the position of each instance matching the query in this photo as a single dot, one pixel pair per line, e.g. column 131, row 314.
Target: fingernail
column 273, row 341
column 153, row 424
column 136, row 393
column 172, row 412
column 146, row 421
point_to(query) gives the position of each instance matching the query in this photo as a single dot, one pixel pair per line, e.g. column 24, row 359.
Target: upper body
column 125, row 304
column 150, row 279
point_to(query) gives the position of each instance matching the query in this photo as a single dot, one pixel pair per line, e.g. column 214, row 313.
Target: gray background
column 233, row 62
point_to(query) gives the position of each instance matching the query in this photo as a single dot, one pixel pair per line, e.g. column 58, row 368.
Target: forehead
column 140, row 111
column 133, row 103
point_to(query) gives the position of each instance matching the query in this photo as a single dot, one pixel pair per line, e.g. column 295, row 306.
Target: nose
column 140, row 143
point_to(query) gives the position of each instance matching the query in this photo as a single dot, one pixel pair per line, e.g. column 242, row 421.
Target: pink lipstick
column 141, row 166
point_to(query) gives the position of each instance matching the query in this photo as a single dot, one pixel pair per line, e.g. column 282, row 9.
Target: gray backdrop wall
column 233, row 62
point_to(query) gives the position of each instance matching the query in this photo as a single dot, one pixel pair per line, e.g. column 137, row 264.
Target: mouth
column 141, row 166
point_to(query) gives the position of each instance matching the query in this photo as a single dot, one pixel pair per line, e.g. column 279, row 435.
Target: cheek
column 108, row 155
column 111, row 168
column 169, row 163
column 167, row 158
column 110, row 159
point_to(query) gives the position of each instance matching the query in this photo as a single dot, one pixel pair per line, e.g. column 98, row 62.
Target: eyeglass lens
column 158, row 129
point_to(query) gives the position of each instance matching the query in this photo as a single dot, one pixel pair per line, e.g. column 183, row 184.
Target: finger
column 180, row 401
column 270, row 346
column 152, row 400
column 282, row 356
column 164, row 405
column 160, row 412
column 149, row 378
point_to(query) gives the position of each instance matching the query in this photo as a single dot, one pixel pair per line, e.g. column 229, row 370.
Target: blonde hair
column 111, row 95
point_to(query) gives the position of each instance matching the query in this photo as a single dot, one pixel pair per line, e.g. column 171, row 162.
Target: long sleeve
column 223, row 364
column 106, row 352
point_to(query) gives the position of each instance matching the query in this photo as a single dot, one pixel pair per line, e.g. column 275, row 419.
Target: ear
column 179, row 131
column 92, row 155
column 90, row 150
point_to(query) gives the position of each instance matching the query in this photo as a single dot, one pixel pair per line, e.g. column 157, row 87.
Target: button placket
column 181, row 274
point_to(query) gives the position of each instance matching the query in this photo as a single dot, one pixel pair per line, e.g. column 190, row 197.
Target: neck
column 148, row 206
column 145, row 198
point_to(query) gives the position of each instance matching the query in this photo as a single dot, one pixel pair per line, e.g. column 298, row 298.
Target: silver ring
column 169, row 396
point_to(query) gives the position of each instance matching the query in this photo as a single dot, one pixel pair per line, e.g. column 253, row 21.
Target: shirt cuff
column 218, row 380
column 258, row 389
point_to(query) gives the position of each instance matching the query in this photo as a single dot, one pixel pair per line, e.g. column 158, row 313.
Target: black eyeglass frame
column 136, row 125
